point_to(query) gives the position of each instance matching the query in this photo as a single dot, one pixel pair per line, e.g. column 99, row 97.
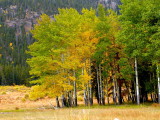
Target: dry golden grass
column 15, row 105
column 16, row 97
column 142, row 113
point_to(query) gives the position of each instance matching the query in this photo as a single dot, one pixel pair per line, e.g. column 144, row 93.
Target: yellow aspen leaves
column 10, row 44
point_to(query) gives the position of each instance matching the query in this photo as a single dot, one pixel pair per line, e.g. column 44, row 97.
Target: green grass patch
column 123, row 106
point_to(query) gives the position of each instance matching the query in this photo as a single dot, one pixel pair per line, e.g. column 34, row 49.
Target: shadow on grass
column 122, row 106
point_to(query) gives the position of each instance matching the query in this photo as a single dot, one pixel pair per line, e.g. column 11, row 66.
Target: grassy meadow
column 106, row 113
column 15, row 105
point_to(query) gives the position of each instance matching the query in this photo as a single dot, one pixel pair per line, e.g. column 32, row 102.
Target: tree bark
column 57, row 102
column 137, row 82
column 63, row 101
column 119, row 92
column 75, row 90
column 101, row 86
column 99, row 92
column 90, row 83
column 85, row 98
column 107, row 92
column 90, row 94
column 114, row 91
column 70, row 99
column 100, row 83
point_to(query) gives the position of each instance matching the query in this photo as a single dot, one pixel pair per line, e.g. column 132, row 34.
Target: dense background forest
column 17, row 18
column 95, row 51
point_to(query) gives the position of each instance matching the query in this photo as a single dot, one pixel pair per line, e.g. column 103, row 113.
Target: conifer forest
column 108, row 51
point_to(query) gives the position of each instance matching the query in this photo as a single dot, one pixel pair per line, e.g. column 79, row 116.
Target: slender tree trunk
column 118, row 81
column 63, row 101
column 101, row 86
column 158, row 84
column 70, row 99
column 118, row 95
column 107, row 91
column 90, row 94
column 103, row 98
column 99, row 92
column 155, row 90
column 75, row 90
column 133, row 91
column 114, row 91
column 85, row 98
column 90, row 83
column 100, row 83
column 57, row 102
column 137, row 82
column 75, row 94
column 119, row 92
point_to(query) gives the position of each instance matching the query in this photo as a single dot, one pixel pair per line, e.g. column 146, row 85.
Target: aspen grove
column 106, row 56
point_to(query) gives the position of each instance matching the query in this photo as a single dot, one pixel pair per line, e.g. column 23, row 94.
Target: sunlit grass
column 124, row 112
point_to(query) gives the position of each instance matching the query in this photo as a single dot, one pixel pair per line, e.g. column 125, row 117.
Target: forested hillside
column 17, row 18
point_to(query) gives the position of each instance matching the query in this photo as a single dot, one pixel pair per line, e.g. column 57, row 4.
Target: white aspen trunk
column 158, row 77
column 70, row 95
column 84, row 89
column 137, row 83
column 100, row 82
column 99, row 96
column 114, row 90
column 117, row 92
column 85, row 98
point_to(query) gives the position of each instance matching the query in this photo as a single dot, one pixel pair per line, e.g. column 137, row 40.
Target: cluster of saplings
column 105, row 55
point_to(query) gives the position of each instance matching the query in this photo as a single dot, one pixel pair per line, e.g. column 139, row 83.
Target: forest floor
column 15, row 105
